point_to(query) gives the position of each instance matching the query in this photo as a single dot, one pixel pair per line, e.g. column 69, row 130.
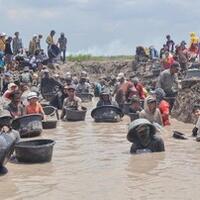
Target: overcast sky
column 103, row 27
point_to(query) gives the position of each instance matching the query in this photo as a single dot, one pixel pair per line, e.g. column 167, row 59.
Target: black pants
column 63, row 55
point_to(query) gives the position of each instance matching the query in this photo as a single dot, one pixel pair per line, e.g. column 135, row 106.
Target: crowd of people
column 13, row 52
column 23, row 84
column 171, row 52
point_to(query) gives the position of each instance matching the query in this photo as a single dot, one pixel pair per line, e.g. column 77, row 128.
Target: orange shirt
column 164, row 109
column 34, row 109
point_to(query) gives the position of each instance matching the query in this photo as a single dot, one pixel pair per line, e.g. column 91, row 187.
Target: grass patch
column 88, row 57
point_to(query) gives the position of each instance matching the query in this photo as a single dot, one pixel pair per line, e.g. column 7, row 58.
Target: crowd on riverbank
column 28, row 82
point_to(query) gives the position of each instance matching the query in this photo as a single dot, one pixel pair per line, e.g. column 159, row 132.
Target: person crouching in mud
column 142, row 133
column 72, row 101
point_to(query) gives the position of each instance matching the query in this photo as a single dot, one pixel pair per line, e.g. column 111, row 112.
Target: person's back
column 62, row 41
column 17, row 45
column 164, row 108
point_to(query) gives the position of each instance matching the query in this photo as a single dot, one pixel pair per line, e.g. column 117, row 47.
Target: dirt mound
column 185, row 102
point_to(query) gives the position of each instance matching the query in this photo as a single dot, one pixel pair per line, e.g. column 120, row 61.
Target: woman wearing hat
column 34, row 107
column 151, row 112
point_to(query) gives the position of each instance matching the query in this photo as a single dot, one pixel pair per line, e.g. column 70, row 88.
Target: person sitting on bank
column 163, row 105
column 15, row 107
column 105, row 99
column 142, row 133
column 151, row 112
column 135, row 105
column 72, row 101
column 34, row 107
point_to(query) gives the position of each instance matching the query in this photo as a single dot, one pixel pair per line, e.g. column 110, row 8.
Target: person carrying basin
column 15, row 107
column 34, row 107
column 135, row 105
column 106, row 99
column 142, row 133
column 72, row 101
column 83, row 86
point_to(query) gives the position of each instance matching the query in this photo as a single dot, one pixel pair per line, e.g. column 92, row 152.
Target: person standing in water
column 142, row 133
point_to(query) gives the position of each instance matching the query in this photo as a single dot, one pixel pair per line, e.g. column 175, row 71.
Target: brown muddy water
column 91, row 161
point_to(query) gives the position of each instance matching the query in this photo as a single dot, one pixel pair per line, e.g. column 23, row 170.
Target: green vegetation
column 88, row 57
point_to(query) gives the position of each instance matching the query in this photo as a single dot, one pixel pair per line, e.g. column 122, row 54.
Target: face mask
column 143, row 133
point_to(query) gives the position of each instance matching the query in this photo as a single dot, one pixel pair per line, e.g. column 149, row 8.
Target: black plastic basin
column 34, row 151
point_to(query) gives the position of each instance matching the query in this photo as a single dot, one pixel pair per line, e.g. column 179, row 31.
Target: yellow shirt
column 2, row 45
column 50, row 40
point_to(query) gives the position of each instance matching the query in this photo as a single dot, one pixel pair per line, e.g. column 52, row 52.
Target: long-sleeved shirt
column 167, row 81
column 17, row 45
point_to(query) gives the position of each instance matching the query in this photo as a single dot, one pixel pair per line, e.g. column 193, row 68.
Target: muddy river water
column 91, row 161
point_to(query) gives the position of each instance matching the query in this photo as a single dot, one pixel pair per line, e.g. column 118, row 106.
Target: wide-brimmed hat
column 138, row 122
column 32, row 95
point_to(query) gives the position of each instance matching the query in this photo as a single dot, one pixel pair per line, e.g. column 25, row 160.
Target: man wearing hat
column 15, row 107
column 72, row 101
column 135, row 105
column 83, row 86
column 106, row 99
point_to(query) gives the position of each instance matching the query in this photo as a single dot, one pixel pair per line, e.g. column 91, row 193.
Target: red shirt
column 140, row 90
column 164, row 109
